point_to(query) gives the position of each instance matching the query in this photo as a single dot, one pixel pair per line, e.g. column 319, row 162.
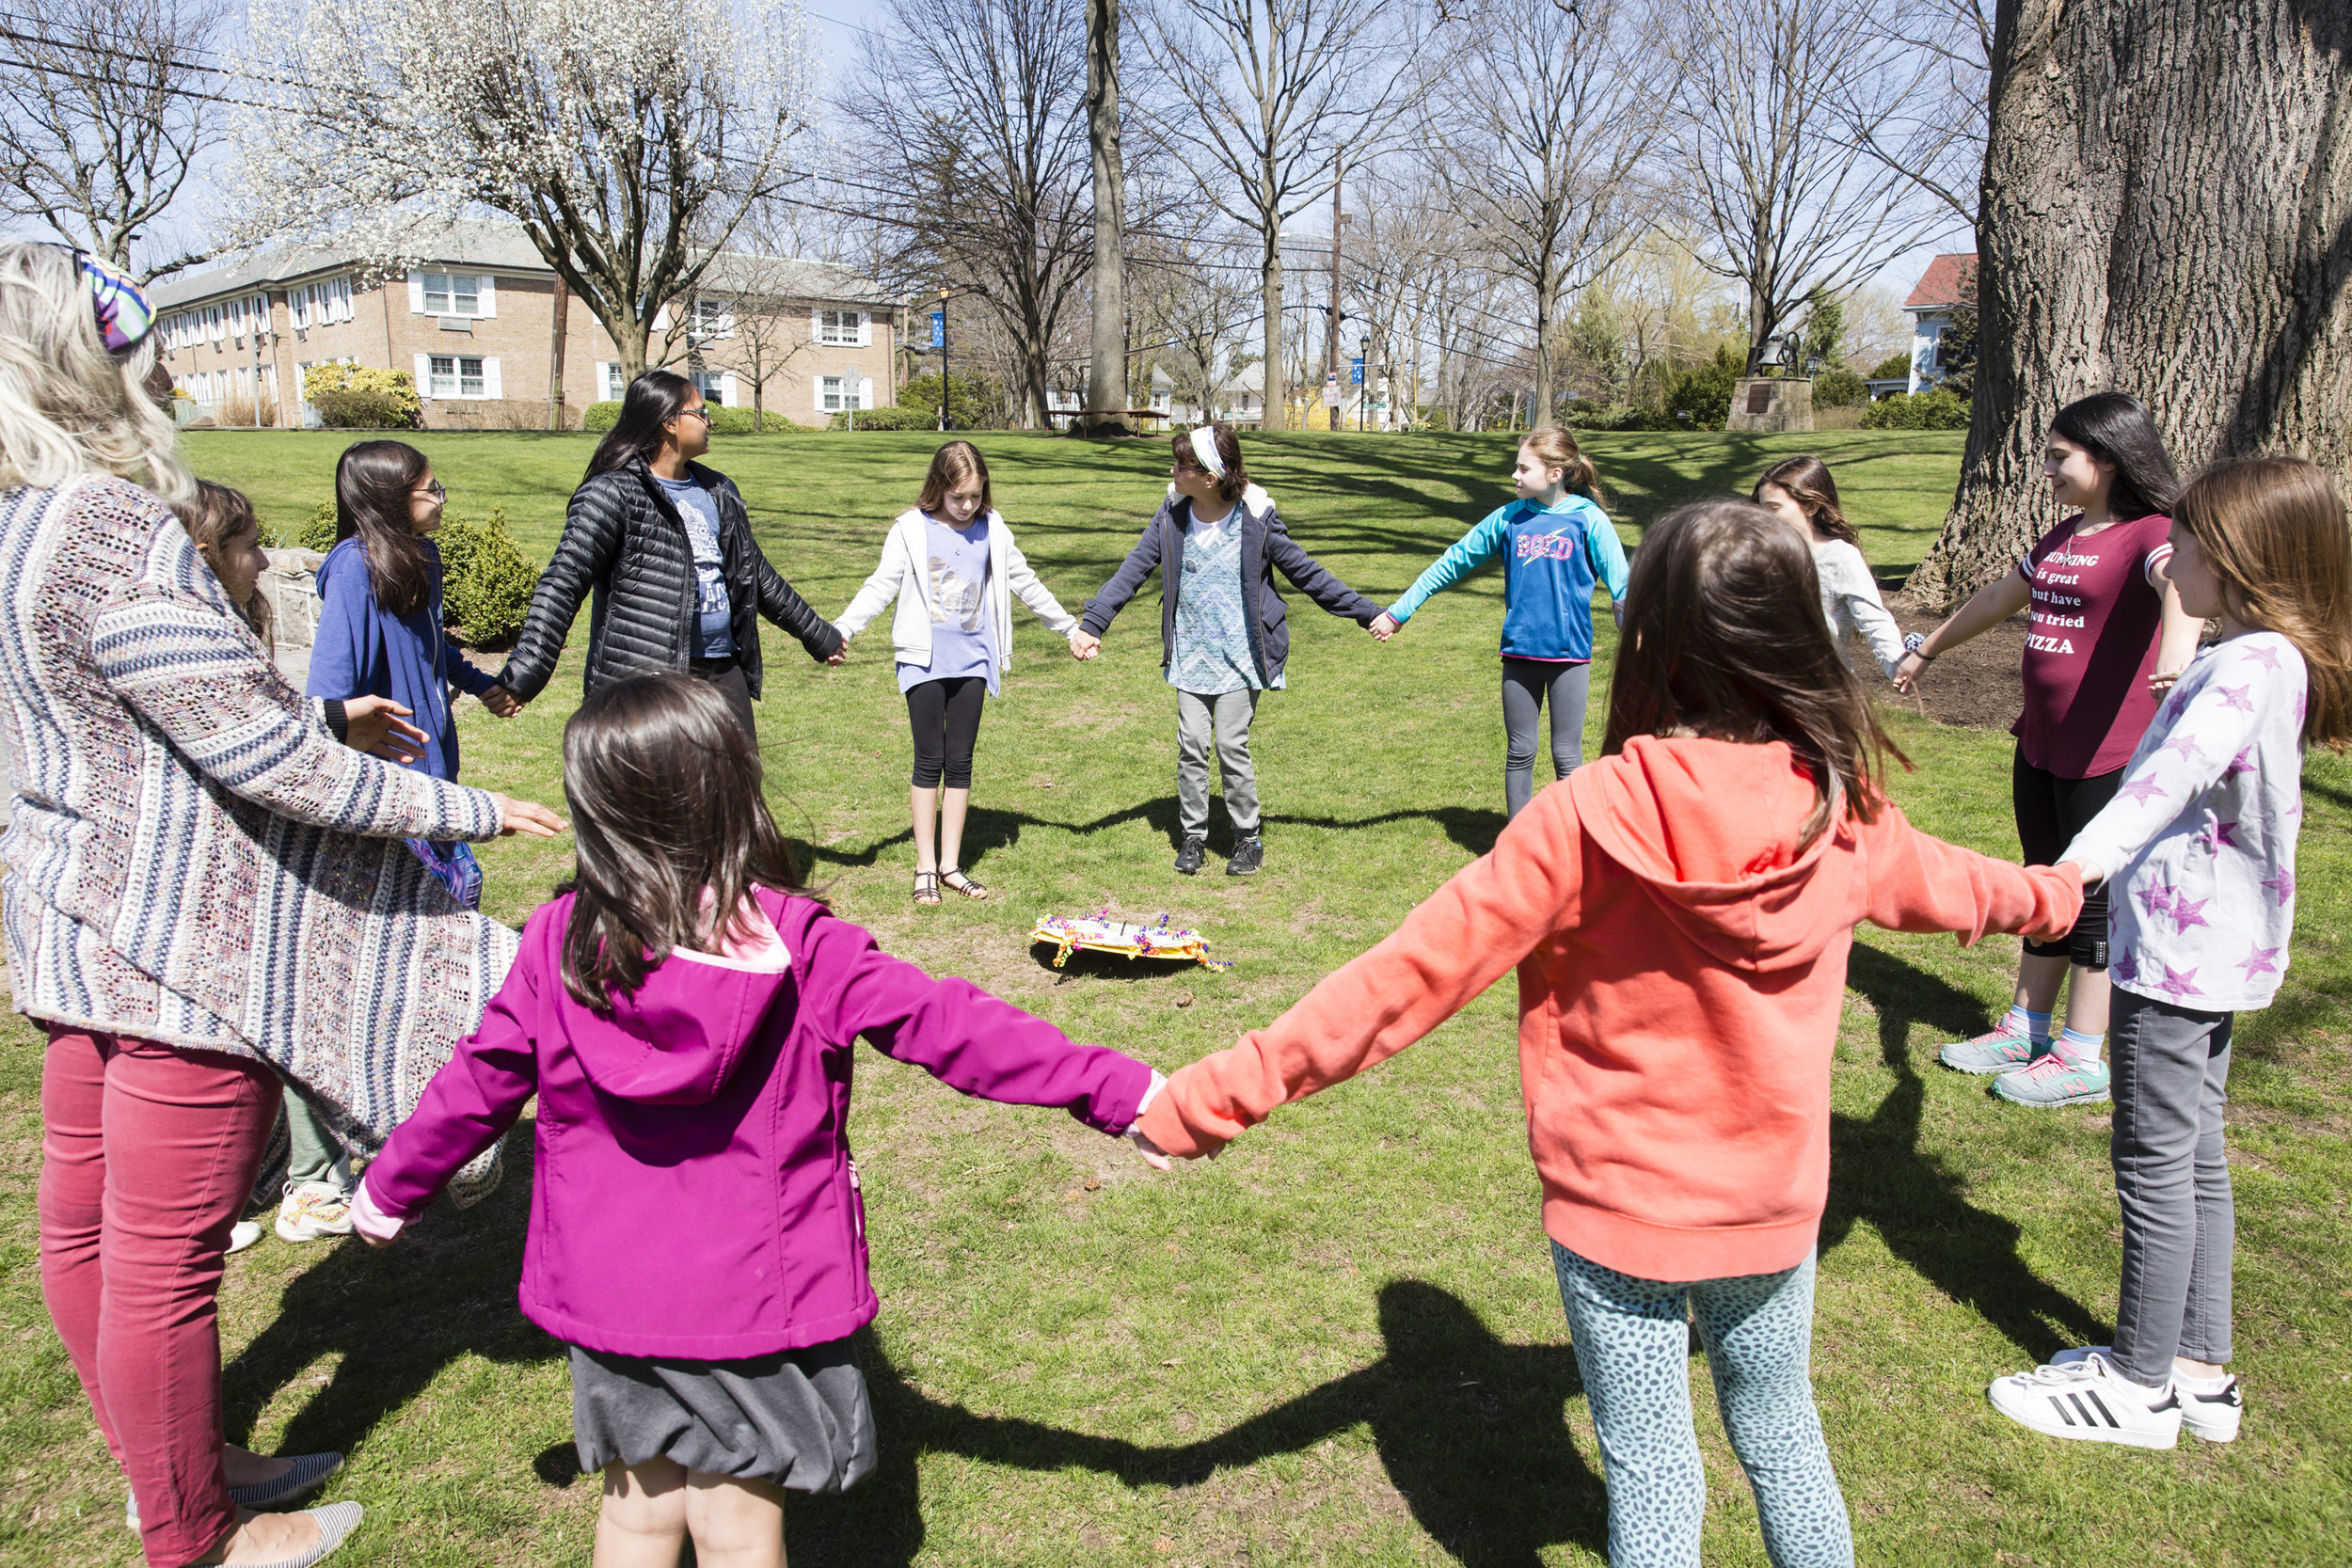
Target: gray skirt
column 798, row 1418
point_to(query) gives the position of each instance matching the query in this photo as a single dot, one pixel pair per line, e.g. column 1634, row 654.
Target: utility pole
column 1331, row 326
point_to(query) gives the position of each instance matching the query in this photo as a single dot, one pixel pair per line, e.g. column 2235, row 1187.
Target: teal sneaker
column 2052, row 1080
column 2001, row 1051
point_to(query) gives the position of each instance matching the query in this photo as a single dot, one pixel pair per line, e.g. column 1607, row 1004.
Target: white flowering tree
column 628, row 138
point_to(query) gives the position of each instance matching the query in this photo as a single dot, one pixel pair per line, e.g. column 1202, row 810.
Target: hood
column 1253, row 500
column 680, row 1038
column 1710, row 828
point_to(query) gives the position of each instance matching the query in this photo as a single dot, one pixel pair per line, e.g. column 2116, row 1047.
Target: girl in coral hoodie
column 1681, row 913
column 694, row 1064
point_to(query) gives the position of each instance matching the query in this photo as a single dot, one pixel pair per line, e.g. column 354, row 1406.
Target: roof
column 1941, row 286
column 504, row 247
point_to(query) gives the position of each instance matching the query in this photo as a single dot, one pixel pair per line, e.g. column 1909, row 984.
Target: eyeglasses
column 703, row 413
column 436, row 490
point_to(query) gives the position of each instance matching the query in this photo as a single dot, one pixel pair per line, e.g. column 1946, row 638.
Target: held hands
column 501, row 702
column 1153, row 1155
column 1084, row 644
column 1907, row 672
column 373, row 725
column 835, row 659
column 526, row 817
column 1384, row 626
column 2160, row 680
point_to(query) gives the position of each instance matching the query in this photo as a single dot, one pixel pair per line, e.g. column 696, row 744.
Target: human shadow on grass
column 1880, row 1174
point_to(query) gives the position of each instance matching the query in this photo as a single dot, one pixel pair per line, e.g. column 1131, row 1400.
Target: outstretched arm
column 1312, row 578
column 788, row 610
column 1461, row 558
column 591, row 538
column 1988, row 608
column 1124, row 582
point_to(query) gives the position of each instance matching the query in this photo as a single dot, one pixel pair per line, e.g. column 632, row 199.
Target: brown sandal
column 927, row 887
column 955, row 881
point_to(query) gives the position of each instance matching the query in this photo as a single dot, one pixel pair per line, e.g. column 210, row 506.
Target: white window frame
column 838, row 328
column 455, row 290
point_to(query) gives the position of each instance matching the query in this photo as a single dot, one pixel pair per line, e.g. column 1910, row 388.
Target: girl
column 1224, row 631
column 2108, row 634
column 685, row 1015
column 1681, row 913
column 1555, row 543
column 1800, row 491
column 2200, row 840
column 951, row 564
column 380, row 634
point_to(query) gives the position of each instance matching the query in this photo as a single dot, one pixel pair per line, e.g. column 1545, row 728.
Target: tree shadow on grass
column 1880, row 1174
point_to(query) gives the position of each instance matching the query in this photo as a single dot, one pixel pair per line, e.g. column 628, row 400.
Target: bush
column 1584, row 414
column 488, row 580
column 1936, row 410
column 968, row 402
column 319, row 533
column 886, row 418
column 1891, row 367
column 1838, row 389
column 1700, row 399
column 600, row 416
column 363, row 397
column 723, row 421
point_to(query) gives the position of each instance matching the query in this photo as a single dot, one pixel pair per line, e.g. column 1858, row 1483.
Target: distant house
column 1943, row 286
column 1239, row 400
column 476, row 326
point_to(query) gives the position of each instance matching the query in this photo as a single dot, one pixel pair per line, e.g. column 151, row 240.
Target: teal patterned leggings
column 1633, row 1350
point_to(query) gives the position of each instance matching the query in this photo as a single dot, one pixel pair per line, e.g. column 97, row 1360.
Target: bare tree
column 762, row 322
column 1925, row 117
column 1770, row 100
column 107, row 109
column 1538, row 127
column 1270, row 93
column 1106, row 373
column 628, row 140
column 982, row 104
column 1190, row 301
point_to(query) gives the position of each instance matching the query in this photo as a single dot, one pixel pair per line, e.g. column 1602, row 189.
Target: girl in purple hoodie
column 690, row 1062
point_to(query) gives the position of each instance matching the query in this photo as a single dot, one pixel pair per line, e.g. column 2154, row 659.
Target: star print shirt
column 2199, row 842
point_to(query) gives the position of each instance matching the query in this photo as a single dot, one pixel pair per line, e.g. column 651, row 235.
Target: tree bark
column 1106, row 373
column 560, row 314
column 2167, row 211
column 1274, row 400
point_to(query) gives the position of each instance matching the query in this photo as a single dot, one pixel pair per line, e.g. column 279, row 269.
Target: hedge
column 885, row 419
column 486, row 580
column 1936, row 410
column 723, row 421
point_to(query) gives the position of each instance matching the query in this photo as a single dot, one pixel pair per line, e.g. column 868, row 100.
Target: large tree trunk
column 1106, row 371
column 1276, row 399
column 2167, row 211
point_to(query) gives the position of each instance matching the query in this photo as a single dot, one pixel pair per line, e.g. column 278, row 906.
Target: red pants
column 147, row 1153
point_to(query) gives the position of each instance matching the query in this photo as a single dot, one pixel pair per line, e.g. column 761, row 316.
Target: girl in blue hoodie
column 1555, row 544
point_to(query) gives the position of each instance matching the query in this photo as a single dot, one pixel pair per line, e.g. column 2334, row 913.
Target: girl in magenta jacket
column 686, row 1065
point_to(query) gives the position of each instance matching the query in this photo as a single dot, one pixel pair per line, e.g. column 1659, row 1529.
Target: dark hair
column 373, row 483
column 951, row 465
column 2274, row 529
column 2115, row 429
column 1236, row 479
column 1555, row 448
column 215, row 516
column 1808, row 482
column 1723, row 636
column 664, row 784
column 652, row 402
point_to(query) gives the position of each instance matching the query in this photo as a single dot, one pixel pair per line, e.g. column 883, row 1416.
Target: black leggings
column 2050, row 812
column 946, row 716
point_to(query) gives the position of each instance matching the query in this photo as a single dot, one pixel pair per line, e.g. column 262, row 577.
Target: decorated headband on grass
column 124, row 316
column 1204, row 447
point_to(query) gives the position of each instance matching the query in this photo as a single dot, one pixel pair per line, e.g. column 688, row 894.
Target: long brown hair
column 1723, row 638
column 1554, row 448
column 1806, row 480
column 2274, row 529
column 951, row 465
column 663, row 785
column 1236, row 479
column 373, row 485
column 218, row 516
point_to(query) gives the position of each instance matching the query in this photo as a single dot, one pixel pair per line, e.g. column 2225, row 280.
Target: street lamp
column 945, row 384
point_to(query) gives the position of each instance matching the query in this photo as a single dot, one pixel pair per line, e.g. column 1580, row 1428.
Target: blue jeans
column 1633, row 1350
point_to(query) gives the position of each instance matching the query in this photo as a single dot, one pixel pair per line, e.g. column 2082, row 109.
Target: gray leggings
column 1524, row 683
column 2172, row 1068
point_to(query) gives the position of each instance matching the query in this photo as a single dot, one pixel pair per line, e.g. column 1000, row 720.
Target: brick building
column 476, row 326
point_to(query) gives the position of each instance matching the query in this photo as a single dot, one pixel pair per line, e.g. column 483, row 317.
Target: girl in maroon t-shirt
column 2107, row 636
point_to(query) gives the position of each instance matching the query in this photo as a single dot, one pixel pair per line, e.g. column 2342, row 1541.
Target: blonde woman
column 202, row 886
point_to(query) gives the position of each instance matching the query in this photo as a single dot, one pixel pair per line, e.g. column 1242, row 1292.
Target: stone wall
column 1768, row 403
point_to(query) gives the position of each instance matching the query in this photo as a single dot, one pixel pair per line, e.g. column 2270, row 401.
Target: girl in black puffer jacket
column 665, row 545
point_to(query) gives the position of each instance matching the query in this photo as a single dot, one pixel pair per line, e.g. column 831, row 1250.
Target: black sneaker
column 1188, row 858
column 1248, row 855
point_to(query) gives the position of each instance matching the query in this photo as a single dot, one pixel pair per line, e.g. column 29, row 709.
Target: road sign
column 1332, row 392
column 939, row 329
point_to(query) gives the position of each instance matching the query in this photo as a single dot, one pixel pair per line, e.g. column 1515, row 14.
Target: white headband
column 1204, row 447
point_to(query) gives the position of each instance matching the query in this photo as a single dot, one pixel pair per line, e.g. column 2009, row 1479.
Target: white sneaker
column 244, row 1234
column 2089, row 1400
column 2210, row 1408
column 311, row 1210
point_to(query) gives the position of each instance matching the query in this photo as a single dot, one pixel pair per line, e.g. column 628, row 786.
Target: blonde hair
column 215, row 515
column 2276, row 531
column 1554, row 448
column 67, row 405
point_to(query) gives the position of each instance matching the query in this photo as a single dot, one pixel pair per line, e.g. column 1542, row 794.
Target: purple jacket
column 692, row 1195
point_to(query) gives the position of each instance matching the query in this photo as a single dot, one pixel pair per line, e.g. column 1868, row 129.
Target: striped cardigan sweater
column 193, row 859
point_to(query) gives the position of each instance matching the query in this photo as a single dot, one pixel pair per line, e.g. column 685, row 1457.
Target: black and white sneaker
column 2210, row 1408
column 2089, row 1400
column 1188, row 858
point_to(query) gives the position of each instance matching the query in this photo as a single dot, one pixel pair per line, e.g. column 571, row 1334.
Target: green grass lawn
column 1341, row 1342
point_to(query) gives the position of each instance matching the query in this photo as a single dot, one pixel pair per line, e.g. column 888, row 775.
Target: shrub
column 967, row 402
column 363, row 397
column 1838, row 389
column 1935, row 410
column 488, row 580
column 601, row 416
column 1700, row 399
column 886, row 418
column 1586, row 415
column 723, row 421
column 319, row 533
column 1891, row 367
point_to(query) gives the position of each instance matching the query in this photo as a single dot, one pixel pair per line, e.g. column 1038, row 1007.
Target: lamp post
column 945, row 382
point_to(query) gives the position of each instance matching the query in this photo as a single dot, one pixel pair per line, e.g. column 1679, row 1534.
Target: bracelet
column 1915, row 644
